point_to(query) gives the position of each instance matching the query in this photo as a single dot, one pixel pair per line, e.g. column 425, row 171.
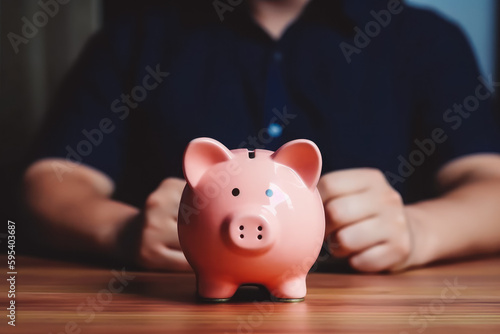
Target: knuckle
column 336, row 212
column 152, row 201
column 344, row 242
column 168, row 182
column 147, row 258
column 325, row 186
column 393, row 198
column 174, row 182
column 331, row 183
column 357, row 262
column 105, row 236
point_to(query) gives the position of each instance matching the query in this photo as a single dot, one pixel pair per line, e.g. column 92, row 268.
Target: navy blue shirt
column 372, row 83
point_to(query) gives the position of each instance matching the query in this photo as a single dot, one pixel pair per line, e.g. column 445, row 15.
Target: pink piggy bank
column 251, row 217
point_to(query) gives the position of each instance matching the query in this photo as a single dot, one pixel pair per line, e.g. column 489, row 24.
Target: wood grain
column 62, row 297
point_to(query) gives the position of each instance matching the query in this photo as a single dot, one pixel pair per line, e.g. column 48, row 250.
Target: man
column 389, row 93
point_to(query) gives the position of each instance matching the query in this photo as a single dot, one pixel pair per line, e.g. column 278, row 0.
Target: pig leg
column 215, row 289
column 292, row 289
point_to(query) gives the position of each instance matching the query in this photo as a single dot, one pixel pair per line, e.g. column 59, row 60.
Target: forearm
column 464, row 221
column 77, row 213
column 92, row 225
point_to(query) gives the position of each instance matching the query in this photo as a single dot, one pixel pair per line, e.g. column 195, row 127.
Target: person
column 391, row 95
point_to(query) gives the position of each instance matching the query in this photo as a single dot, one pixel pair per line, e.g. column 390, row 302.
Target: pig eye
column 235, row 192
column 269, row 192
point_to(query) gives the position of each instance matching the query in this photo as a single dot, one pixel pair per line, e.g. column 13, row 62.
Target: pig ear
column 200, row 155
column 304, row 157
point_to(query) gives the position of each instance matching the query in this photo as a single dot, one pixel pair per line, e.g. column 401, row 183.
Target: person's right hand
column 159, row 247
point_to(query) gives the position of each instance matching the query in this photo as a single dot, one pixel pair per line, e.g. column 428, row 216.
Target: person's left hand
column 365, row 220
column 159, row 248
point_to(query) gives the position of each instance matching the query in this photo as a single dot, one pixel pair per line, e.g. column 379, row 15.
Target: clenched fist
column 365, row 220
column 159, row 247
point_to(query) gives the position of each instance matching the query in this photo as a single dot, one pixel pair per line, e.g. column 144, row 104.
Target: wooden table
column 62, row 297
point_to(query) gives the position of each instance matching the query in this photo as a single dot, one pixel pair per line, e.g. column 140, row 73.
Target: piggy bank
column 251, row 217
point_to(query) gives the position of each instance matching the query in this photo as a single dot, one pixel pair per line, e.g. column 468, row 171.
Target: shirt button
column 275, row 130
column 277, row 56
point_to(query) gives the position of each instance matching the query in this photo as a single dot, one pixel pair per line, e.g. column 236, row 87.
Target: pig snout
column 251, row 232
